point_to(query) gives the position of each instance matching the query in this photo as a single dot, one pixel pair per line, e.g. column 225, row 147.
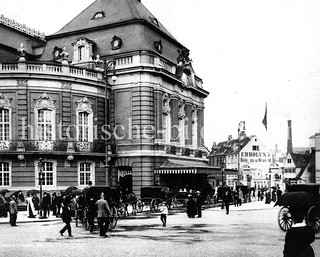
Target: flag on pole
column 264, row 121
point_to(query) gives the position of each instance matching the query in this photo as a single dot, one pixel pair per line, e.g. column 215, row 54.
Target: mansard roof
column 112, row 12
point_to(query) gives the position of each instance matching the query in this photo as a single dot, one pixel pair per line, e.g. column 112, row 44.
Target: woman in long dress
column 30, row 207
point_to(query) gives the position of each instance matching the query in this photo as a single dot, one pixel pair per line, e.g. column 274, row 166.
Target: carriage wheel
column 284, row 219
column 153, row 205
column 313, row 218
column 113, row 217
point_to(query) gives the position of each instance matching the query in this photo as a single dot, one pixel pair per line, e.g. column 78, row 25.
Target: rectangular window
column 47, row 174
column 45, row 125
column 85, row 173
column 289, row 161
column 4, row 174
column 255, row 148
column 4, row 125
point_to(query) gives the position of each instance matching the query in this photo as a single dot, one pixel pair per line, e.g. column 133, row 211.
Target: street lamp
column 40, row 170
column 223, row 192
column 241, row 127
column 108, row 65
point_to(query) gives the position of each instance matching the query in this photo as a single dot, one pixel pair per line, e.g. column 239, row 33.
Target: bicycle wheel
column 113, row 217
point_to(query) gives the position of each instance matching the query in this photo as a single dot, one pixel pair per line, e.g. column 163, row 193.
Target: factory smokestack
column 289, row 142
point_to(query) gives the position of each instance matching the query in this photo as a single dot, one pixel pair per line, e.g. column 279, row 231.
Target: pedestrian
column 13, row 210
column 36, row 202
column 103, row 215
column 59, row 203
column 164, row 211
column 226, row 200
column 299, row 237
column 91, row 213
column 259, row 194
column 279, row 193
column 66, row 217
column 45, row 205
column 240, row 196
column 235, row 198
column 268, row 197
column 31, row 211
column 191, row 207
column 54, row 203
column 199, row 203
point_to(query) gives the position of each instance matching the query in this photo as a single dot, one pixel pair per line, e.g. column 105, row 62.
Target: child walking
column 164, row 212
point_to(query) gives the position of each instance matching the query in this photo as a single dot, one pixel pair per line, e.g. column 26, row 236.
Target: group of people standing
column 43, row 207
column 194, row 204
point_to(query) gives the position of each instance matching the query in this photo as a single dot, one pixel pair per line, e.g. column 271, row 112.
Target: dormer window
column 98, row 15
column 83, row 50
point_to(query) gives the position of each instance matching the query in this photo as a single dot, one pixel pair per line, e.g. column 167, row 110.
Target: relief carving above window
column 44, row 102
column 4, row 101
column 84, row 105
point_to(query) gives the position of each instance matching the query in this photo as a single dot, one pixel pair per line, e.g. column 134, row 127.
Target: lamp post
column 241, row 125
column 40, row 170
column 223, row 192
column 108, row 65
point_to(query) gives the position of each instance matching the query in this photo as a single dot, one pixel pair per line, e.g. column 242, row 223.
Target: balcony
column 97, row 146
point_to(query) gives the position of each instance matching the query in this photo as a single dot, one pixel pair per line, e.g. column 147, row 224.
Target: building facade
column 109, row 98
column 247, row 156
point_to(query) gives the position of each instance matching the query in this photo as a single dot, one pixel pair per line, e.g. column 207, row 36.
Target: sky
column 247, row 52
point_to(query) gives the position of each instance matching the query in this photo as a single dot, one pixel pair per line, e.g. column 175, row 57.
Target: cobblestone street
column 249, row 230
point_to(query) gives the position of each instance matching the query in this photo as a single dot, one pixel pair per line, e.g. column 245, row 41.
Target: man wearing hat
column 199, row 202
column 13, row 209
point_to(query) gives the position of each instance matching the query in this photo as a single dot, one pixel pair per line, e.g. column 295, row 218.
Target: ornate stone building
column 121, row 77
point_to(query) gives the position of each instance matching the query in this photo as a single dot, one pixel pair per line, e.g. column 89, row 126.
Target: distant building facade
column 247, row 156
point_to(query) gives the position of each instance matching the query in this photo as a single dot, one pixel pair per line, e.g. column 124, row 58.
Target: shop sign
column 255, row 157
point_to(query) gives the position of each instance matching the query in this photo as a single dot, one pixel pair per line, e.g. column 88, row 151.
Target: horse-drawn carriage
column 91, row 196
column 305, row 197
column 152, row 196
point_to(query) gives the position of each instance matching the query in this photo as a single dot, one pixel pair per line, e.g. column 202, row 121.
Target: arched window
column 5, row 174
column 4, row 124
column 45, row 114
column 83, row 125
column 85, row 173
column 194, row 128
column 84, row 120
column 45, row 125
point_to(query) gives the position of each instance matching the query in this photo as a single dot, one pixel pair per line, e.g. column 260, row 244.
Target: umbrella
column 4, row 191
column 301, row 199
column 33, row 191
column 76, row 191
column 69, row 189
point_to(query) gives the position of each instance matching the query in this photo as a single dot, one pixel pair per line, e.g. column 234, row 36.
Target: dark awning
column 176, row 166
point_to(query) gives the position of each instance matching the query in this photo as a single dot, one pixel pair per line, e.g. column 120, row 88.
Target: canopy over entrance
column 174, row 166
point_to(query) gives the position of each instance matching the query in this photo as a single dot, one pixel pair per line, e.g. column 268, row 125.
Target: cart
column 91, row 196
column 306, row 197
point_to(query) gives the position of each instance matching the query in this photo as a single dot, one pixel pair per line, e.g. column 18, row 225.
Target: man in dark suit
column 66, row 217
column 13, row 210
column 103, row 215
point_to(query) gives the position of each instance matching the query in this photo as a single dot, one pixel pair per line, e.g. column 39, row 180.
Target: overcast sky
column 248, row 52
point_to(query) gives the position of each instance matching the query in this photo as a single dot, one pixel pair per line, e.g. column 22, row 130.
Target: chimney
column 229, row 137
column 289, row 142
